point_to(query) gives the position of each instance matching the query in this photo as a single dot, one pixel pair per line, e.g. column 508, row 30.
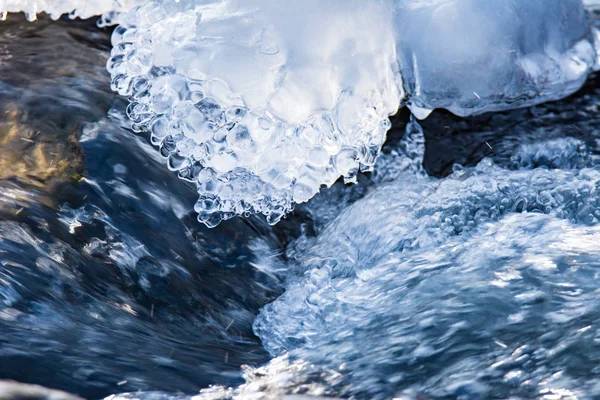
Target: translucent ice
column 471, row 56
column 591, row 4
column 109, row 9
column 261, row 104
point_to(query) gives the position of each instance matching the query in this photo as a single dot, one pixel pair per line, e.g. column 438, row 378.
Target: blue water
column 465, row 266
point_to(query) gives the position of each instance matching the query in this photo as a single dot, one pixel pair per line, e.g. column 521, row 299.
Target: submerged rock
column 47, row 98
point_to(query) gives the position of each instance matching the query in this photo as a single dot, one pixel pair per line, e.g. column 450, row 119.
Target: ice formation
column 591, row 4
column 262, row 104
column 110, row 10
column 472, row 56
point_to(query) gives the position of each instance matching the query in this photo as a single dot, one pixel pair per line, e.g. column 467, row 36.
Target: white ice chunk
column 109, row 9
column 260, row 103
column 472, row 56
column 591, row 4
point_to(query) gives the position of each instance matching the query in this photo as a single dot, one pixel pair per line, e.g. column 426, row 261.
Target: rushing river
column 464, row 267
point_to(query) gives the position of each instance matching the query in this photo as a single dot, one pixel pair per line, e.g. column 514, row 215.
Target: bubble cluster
column 260, row 105
column 110, row 10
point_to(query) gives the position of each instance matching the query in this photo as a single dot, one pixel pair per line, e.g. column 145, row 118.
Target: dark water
column 108, row 283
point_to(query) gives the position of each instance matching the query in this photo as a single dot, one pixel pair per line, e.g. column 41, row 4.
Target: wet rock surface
column 52, row 83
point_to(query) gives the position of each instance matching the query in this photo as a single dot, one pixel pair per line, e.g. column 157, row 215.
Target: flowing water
column 466, row 266
column 106, row 275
